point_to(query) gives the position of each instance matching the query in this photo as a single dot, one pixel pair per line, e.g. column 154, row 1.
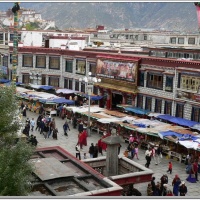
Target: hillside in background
column 170, row 16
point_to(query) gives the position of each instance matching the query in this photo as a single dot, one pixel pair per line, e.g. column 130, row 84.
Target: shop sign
column 117, row 70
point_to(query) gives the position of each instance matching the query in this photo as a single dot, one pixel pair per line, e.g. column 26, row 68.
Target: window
column 83, row 88
column 43, row 79
column 27, row 61
column 189, row 82
column 155, row 81
column 5, row 61
column 1, row 38
column 80, row 67
column 179, row 110
column 68, row 83
column 92, row 68
column 11, row 36
column 180, row 40
column 158, row 105
column 141, row 78
column 77, row 85
column 54, row 62
column 168, row 107
column 173, row 40
column 195, row 114
column 54, row 81
column 69, row 66
column 169, row 84
column 191, row 40
column 145, row 37
column 95, row 90
column 26, row 78
column 148, row 103
column 140, row 101
column 40, row 62
column 11, row 56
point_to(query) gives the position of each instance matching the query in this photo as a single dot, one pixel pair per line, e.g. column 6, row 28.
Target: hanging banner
column 117, row 70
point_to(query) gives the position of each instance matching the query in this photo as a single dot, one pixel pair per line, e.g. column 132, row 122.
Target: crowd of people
column 47, row 126
column 162, row 187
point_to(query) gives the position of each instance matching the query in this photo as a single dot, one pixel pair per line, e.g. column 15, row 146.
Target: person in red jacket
column 170, row 167
column 195, row 168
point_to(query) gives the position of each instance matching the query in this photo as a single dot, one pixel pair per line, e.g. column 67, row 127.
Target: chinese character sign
column 117, row 70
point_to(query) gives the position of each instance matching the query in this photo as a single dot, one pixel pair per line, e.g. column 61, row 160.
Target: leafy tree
column 15, row 170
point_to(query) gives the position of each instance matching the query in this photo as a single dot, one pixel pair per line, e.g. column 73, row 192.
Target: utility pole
column 15, row 10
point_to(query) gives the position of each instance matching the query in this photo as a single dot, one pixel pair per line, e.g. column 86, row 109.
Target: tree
column 15, row 168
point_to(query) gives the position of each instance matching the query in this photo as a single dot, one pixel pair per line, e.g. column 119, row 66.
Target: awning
column 44, row 87
column 117, row 88
column 4, row 80
column 65, row 91
column 178, row 120
column 63, row 100
column 93, row 97
column 137, row 110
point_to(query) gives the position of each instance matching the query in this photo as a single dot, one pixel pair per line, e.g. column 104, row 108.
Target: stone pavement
column 69, row 143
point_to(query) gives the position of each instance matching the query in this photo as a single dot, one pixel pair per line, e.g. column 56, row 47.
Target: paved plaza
column 69, row 143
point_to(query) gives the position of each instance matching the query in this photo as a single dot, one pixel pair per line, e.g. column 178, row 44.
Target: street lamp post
column 35, row 76
column 89, row 80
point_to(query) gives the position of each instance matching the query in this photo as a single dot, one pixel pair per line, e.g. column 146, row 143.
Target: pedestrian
column 24, row 111
column 132, row 151
column 95, row 155
column 46, row 130
column 148, row 157
column 55, row 134
column 100, row 147
column 159, row 152
column 78, row 153
column 175, row 183
column 136, row 152
column 80, row 127
column 164, row 180
column 91, row 150
column 32, row 122
column 52, row 126
column 131, row 139
column 195, row 168
column 34, row 141
column 66, row 128
column 38, row 122
column 42, row 125
column 153, row 185
column 28, row 122
column 191, row 177
column 165, row 190
column 183, row 189
column 74, row 122
column 170, row 167
column 84, row 156
column 149, row 190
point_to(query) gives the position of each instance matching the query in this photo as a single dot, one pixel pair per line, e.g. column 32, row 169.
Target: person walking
column 153, row 185
column 175, row 183
column 38, row 123
column 66, row 128
column 32, row 122
column 91, row 150
column 96, row 150
column 46, row 130
column 170, row 167
column 159, row 152
column 24, row 111
column 78, row 153
column 148, row 157
column 183, row 189
column 164, row 180
column 80, row 127
column 195, row 168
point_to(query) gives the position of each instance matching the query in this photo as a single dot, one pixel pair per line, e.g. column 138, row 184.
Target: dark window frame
column 27, row 56
column 50, row 62
column 36, row 62
column 69, row 68
column 56, row 84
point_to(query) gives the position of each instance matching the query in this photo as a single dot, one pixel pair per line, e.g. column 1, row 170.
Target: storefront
column 118, row 80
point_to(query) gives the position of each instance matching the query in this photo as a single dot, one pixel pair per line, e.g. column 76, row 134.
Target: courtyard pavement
column 69, row 143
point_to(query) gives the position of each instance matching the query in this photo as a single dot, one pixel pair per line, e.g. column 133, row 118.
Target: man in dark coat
column 96, row 150
column 91, row 150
